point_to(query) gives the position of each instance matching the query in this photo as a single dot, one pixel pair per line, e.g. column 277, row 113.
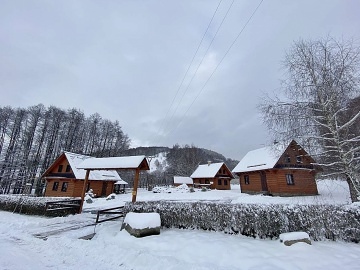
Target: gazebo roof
column 115, row 163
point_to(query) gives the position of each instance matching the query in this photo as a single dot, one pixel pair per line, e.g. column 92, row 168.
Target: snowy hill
column 158, row 162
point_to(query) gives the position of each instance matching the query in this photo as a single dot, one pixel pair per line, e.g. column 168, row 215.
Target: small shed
column 179, row 180
column 213, row 176
column 281, row 169
column 119, row 186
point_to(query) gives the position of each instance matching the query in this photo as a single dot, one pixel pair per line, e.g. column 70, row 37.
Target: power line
column 192, row 60
column 227, row 12
column 232, row 44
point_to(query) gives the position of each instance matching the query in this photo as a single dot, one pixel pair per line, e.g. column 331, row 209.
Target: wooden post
column 136, row 183
column 84, row 190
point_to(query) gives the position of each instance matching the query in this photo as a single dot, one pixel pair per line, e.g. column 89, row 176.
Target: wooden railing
column 63, row 205
column 110, row 211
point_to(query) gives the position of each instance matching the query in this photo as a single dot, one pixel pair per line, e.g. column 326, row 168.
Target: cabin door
column 264, row 186
column 104, row 188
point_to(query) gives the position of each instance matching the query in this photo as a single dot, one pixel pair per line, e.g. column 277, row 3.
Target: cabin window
column 247, row 179
column 219, row 182
column 55, row 186
column 207, row 181
column 60, row 168
column 290, row 179
column 68, row 168
column 287, row 159
column 298, row 159
column 225, row 182
column 64, row 187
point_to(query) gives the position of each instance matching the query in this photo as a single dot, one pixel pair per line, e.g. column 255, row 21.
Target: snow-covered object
column 76, row 159
column 142, row 220
column 111, row 196
column 291, row 238
column 161, row 189
column 260, row 159
column 182, row 188
column 129, row 162
column 183, row 180
column 207, row 170
column 88, row 199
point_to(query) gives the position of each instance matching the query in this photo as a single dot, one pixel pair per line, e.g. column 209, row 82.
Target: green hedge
column 258, row 220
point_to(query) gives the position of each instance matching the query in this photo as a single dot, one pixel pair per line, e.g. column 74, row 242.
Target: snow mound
column 142, row 220
column 293, row 236
column 179, row 189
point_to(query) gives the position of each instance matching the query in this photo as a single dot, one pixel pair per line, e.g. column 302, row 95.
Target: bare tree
column 315, row 107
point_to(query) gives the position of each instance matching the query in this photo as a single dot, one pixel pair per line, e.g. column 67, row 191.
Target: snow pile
column 112, row 196
column 142, row 220
column 293, row 236
column 158, row 189
column 183, row 188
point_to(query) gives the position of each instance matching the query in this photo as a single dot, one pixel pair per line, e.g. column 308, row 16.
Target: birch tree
column 316, row 106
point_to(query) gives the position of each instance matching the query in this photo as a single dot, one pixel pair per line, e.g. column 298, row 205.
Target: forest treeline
column 32, row 138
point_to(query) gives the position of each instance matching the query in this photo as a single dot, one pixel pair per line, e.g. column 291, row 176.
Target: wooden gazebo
column 136, row 163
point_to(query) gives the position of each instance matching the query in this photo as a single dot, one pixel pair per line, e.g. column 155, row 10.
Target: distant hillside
column 179, row 160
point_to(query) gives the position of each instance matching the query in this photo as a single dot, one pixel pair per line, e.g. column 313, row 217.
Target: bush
column 258, row 220
column 31, row 205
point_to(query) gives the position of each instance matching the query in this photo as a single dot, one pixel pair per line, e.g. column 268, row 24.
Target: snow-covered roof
column 183, row 180
column 75, row 159
column 129, row 162
column 260, row 159
column 121, row 182
column 207, row 170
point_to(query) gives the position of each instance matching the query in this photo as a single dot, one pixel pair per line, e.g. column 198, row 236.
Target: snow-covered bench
column 291, row 238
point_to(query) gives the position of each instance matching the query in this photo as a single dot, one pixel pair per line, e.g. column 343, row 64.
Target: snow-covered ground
column 173, row 248
column 330, row 192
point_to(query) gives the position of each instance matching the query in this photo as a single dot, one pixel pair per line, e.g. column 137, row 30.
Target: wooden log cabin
column 63, row 179
column 284, row 170
column 213, row 176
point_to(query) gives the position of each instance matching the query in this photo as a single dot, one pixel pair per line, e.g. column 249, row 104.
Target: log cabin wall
column 59, row 189
column 218, row 183
column 304, row 182
column 253, row 185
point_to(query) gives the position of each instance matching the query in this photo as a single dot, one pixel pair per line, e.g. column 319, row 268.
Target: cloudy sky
column 129, row 61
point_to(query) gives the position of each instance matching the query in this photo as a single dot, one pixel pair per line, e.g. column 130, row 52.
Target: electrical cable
column 227, row 12
column 201, row 90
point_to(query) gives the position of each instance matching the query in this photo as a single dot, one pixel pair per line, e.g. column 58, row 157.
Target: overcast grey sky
column 126, row 60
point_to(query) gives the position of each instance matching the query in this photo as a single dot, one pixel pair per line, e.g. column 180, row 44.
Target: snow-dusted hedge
column 258, row 220
column 30, row 205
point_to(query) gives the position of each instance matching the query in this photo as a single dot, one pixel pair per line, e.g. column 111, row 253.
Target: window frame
column 60, row 168
column 225, row 182
column 290, row 179
column 64, row 186
column 55, row 186
column 219, row 182
column 68, row 168
column 247, row 179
